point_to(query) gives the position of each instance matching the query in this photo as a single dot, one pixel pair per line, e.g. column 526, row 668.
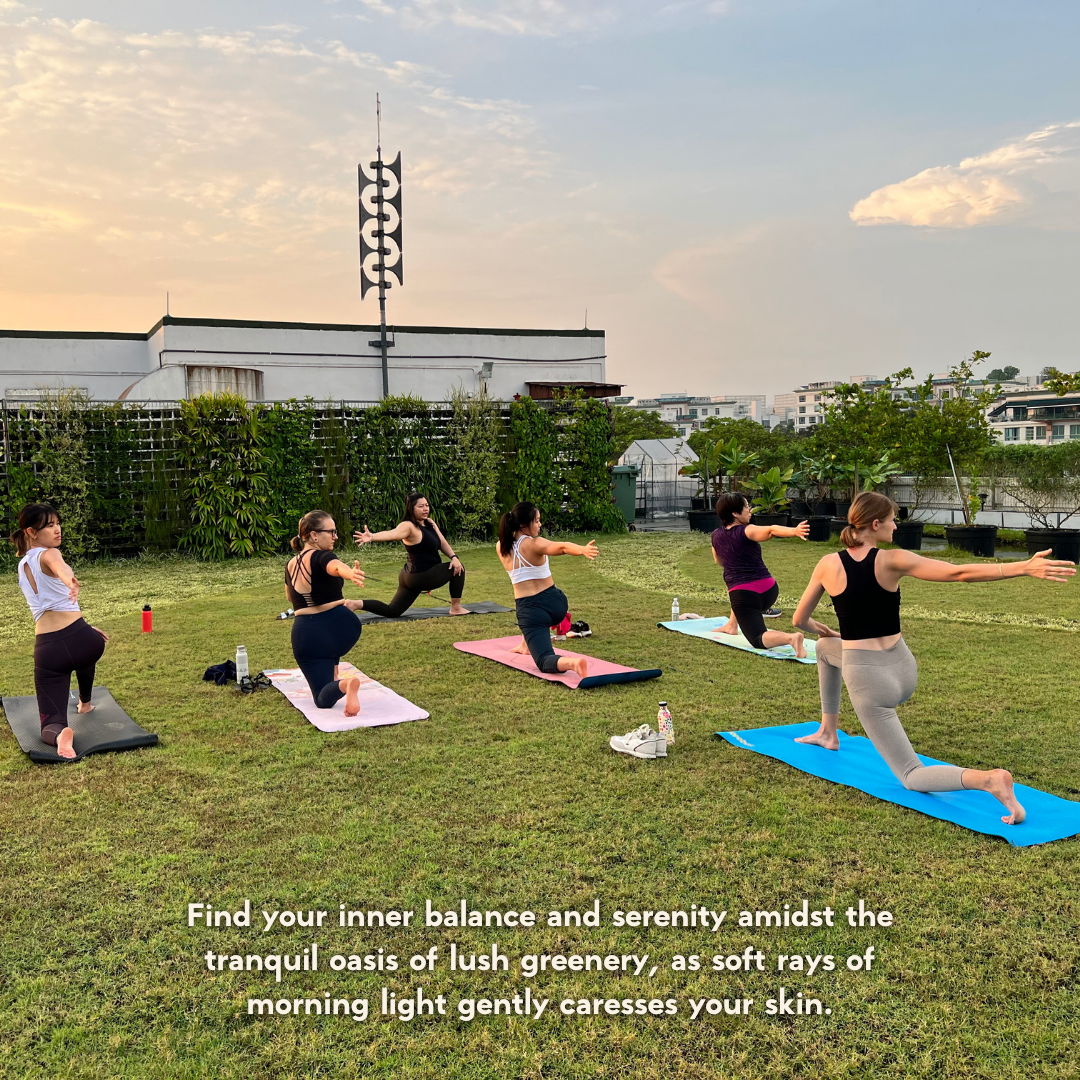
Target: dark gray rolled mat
column 482, row 607
column 108, row 727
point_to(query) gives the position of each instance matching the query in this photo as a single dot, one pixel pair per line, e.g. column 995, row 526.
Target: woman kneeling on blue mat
column 752, row 590
column 540, row 606
column 325, row 628
column 63, row 641
column 869, row 654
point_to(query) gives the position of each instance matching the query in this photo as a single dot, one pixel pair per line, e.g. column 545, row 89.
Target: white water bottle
column 241, row 662
column 674, row 609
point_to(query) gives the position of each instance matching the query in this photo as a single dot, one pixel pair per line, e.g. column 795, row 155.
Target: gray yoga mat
column 108, row 727
column 483, row 607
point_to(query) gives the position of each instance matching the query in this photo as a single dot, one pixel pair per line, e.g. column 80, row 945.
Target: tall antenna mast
column 380, row 235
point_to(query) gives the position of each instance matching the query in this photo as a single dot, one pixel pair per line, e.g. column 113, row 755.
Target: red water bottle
column 147, row 619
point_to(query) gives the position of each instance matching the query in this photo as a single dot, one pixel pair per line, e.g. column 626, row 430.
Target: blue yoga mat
column 708, row 629
column 857, row 764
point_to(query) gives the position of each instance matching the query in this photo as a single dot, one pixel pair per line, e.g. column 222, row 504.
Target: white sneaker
column 642, row 742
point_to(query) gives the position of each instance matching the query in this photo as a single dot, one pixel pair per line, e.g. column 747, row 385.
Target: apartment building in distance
column 688, row 412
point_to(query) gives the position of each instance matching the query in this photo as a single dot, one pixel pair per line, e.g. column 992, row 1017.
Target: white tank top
column 51, row 593
column 527, row 571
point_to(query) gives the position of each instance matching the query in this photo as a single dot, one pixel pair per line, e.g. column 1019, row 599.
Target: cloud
column 999, row 186
column 543, row 18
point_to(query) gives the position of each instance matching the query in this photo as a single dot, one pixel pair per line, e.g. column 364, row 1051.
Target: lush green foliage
column 771, row 447
column 294, row 461
column 223, row 455
column 1040, row 478
column 628, row 425
column 588, row 443
column 771, row 490
column 535, row 454
column 475, row 437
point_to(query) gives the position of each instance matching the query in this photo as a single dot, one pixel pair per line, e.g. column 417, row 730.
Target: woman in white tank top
column 524, row 554
column 63, row 641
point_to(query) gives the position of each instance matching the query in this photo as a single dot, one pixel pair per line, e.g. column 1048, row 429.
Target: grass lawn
column 509, row 797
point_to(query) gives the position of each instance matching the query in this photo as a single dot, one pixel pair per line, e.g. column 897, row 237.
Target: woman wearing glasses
column 325, row 628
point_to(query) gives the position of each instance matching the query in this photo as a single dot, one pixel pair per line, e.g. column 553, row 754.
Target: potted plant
column 908, row 534
column 702, row 517
column 771, row 501
column 1045, row 481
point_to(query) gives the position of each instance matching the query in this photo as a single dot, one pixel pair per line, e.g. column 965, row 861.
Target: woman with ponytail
column 869, row 654
column 325, row 628
column 63, row 641
column 539, row 604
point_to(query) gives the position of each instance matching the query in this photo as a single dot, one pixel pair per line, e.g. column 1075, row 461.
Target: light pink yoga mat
column 600, row 671
column 379, row 704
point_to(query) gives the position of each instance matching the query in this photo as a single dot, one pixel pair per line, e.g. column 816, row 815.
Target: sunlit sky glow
column 745, row 194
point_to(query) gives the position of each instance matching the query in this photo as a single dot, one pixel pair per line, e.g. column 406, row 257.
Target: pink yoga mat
column 600, row 671
column 379, row 704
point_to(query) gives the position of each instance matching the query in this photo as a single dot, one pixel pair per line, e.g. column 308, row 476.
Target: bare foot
column 65, row 743
column 730, row 627
column 351, row 686
column 999, row 783
column 85, row 707
column 522, row 648
column 800, row 647
column 578, row 664
column 824, row 738
column 457, row 608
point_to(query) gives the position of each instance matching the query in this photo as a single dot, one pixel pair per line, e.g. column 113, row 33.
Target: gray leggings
column 877, row 681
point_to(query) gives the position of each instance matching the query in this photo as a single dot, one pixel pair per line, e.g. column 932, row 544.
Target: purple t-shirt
column 739, row 556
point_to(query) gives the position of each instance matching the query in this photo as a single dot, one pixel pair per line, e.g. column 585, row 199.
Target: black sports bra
column 424, row 555
column 864, row 609
column 321, row 587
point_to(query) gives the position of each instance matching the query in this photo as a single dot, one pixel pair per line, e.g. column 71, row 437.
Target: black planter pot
column 978, row 539
column 819, row 528
column 770, row 519
column 704, row 521
column 699, row 503
column 842, row 508
column 825, row 508
column 800, row 509
column 837, row 525
column 908, row 535
column 1063, row 543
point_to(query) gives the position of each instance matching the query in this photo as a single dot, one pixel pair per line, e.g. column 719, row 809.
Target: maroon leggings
column 77, row 648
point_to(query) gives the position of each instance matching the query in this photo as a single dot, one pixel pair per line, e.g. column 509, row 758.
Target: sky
column 745, row 195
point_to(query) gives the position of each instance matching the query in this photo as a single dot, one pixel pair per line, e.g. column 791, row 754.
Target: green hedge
column 221, row 478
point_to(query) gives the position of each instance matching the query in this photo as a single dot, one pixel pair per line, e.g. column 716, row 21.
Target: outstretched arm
column 400, row 532
column 350, row 573
column 561, row 547
column 761, row 533
column 907, row 563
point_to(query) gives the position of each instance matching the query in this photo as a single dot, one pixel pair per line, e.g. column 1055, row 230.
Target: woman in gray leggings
column 870, row 656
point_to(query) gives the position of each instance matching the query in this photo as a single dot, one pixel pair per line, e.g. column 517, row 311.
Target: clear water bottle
column 664, row 724
column 241, row 662
column 674, row 609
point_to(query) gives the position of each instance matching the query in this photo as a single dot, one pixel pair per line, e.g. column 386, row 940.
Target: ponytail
column 868, row 507
column 314, row 519
column 32, row 516
column 521, row 516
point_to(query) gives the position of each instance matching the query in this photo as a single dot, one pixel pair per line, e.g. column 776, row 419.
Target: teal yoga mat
column 707, row 629
column 857, row 764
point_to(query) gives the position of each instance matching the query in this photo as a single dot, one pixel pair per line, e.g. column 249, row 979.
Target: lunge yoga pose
column 869, row 654
column 325, row 628
column 752, row 590
column 63, row 641
column 424, row 571
column 524, row 554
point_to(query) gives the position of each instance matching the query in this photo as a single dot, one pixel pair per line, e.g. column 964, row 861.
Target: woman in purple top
column 736, row 546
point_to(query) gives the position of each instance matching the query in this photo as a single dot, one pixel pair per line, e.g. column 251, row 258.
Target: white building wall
column 301, row 360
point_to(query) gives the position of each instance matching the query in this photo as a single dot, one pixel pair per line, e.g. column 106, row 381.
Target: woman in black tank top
column 869, row 654
column 424, row 570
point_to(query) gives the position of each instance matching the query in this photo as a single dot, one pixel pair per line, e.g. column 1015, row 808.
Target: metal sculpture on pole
column 380, row 235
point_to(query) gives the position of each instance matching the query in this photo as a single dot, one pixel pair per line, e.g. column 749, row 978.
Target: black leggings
column 410, row 586
column 749, row 607
column 318, row 643
column 536, row 615
column 77, row 648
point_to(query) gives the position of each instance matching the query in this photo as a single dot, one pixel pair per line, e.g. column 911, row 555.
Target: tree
column 1005, row 374
column 772, row 447
column 629, row 425
column 1040, row 478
